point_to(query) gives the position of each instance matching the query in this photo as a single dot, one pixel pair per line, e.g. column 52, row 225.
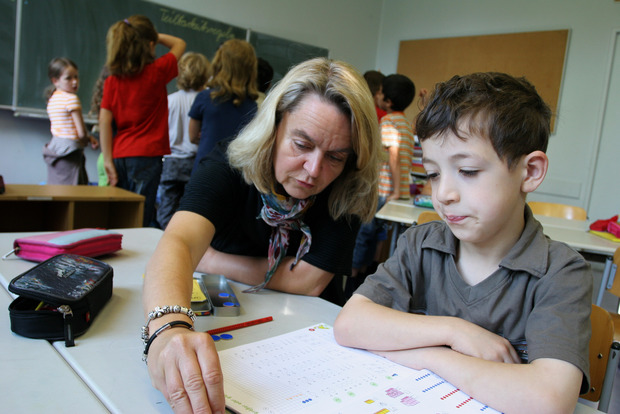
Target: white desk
column 108, row 356
column 401, row 213
column 34, row 375
column 120, row 379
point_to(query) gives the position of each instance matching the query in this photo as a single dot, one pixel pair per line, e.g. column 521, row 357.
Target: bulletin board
column 538, row 56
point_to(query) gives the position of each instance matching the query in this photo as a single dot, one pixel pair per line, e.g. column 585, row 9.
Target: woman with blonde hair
column 279, row 209
column 229, row 103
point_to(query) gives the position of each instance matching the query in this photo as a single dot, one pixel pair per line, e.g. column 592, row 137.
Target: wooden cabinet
column 66, row 207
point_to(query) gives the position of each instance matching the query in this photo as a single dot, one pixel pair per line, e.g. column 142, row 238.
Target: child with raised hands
column 135, row 99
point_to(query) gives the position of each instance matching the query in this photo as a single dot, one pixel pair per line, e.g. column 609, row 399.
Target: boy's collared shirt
column 539, row 298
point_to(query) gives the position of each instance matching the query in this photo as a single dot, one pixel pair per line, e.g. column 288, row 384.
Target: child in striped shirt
column 396, row 137
column 64, row 154
column 397, row 140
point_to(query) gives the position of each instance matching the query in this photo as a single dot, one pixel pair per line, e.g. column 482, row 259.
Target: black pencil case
column 60, row 298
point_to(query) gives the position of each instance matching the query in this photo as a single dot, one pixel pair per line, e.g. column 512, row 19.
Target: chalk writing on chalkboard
column 176, row 18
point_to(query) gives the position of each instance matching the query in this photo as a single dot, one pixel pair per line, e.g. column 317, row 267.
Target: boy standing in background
column 194, row 71
column 397, row 138
column 398, row 141
column 482, row 298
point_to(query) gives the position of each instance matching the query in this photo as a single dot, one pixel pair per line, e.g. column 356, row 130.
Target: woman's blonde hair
column 129, row 45
column 194, row 71
column 354, row 191
column 234, row 72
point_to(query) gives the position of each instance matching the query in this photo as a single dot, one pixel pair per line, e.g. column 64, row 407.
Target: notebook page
column 306, row 371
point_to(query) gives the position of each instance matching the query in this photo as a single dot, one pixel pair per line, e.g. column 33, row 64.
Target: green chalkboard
column 7, row 45
column 77, row 29
column 282, row 53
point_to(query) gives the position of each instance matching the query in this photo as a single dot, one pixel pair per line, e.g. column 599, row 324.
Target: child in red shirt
column 135, row 99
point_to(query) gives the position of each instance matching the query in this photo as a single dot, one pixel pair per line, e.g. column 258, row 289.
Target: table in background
column 108, row 356
column 401, row 214
column 25, row 207
column 572, row 232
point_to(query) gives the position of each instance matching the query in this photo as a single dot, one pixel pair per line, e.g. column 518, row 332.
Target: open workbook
column 306, row 371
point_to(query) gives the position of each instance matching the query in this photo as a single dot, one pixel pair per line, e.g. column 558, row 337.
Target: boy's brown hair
column 374, row 78
column 506, row 110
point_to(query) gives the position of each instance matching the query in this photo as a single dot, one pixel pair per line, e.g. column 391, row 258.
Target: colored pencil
column 239, row 325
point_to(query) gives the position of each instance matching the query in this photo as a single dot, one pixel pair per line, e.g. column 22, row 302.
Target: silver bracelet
column 158, row 312
column 164, row 327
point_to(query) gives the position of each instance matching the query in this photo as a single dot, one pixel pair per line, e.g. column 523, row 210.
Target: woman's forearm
column 168, row 278
column 302, row 279
column 245, row 269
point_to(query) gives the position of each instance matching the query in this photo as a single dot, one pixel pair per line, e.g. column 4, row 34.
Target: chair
column 604, row 356
column 611, row 283
column 558, row 210
column 427, row 216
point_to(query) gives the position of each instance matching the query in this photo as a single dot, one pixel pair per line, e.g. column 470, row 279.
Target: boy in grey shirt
column 482, row 298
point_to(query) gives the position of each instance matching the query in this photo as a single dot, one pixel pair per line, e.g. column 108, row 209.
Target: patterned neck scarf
column 283, row 214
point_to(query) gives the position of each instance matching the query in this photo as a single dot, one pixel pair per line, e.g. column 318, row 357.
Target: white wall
column 348, row 28
column 605, row 188
column 574, row 147
column 350, row 34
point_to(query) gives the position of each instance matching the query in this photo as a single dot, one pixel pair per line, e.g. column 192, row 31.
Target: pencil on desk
column 239, row 325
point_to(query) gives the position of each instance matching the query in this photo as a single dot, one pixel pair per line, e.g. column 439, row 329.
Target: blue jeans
column 174, row 176
column 368, row 236
column 141, row 175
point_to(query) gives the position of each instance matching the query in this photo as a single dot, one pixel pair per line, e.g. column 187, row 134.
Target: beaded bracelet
column 164, row 327
column 158, row 312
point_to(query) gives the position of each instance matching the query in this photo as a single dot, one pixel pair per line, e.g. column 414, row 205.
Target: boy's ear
column 535, row 166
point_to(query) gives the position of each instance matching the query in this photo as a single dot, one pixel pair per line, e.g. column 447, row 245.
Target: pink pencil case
column 83, row 242
column 613, row 228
